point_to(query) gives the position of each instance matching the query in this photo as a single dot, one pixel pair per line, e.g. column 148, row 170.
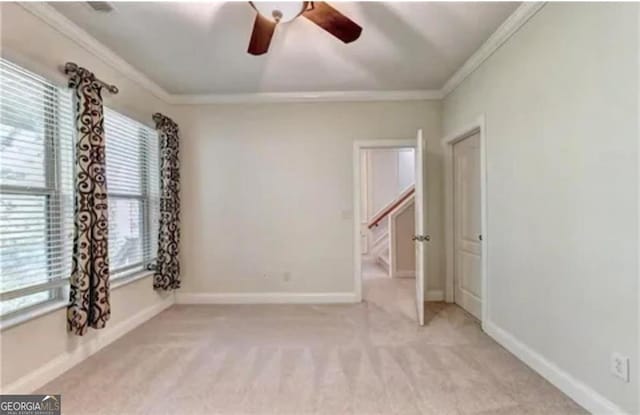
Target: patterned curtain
column 167, row 268
column 89, row 295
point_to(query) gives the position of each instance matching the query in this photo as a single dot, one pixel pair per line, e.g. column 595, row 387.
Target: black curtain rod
column 72, row 67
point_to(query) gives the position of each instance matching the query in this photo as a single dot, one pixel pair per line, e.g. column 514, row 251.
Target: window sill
column 31, row 314
column 123, row 280
column 60, row 304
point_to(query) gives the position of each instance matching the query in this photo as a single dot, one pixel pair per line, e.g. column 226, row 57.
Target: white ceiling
column 200, row 48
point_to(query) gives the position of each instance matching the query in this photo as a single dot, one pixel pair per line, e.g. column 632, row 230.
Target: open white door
column 421, row 238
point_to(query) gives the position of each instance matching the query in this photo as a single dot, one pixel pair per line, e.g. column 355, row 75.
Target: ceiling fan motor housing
column 271, row 14
column 280, row 11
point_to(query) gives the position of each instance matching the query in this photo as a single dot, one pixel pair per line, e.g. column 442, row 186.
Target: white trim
column 62, row 24
column 49, row 307
column 309, row 96
column 434, row 295
column 57, row 366
column 591, row 400
column 128, row 279
column 510, row 26
column 448, row 142
column 408, row 273
column 357, row 146
column 364, row 207
column 391, row 246
column 385, row 143
column 266, row 298
column 35, row 312
column 74, row 32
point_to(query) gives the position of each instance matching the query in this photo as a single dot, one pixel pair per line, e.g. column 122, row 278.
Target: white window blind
column 134, row 192
column 36, row 194
column 36, row 190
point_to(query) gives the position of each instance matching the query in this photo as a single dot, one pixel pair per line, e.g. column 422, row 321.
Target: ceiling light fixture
column 280, row 11
column 271, row 14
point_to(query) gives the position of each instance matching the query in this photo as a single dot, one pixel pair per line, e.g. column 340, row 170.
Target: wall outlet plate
column 620, row 366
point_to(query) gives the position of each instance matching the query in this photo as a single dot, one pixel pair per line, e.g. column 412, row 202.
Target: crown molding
column 510, row 26
column 319, row 96
column 68, row 28
column 62, row 24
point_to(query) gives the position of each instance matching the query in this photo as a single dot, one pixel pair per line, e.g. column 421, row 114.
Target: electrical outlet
column 620, row 366
column 286, row 276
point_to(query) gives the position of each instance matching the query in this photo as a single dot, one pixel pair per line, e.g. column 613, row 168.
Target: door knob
column 479, row 237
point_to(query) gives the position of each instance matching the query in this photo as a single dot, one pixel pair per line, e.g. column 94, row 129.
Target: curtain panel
column 167, row 267
column 89, row 293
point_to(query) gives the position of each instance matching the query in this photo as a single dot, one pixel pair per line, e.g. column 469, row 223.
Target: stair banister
column 379, row 217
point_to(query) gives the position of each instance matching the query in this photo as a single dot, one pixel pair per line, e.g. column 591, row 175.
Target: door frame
column 478, row 125
column 359, row 145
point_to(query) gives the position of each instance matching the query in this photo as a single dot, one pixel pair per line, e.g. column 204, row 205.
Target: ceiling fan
column 270, row 14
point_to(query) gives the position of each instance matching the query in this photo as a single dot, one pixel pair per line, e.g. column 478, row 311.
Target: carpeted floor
column 393, row 295
column 301, row 359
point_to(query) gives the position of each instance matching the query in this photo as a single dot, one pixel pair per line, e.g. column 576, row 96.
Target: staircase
column 380, row 248
column 380, row 228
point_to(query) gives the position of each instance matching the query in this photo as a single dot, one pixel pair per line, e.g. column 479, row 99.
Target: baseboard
column 266, row 298
column 591, row 400
column 57, row 366
column 435, row 295
column 404, row 274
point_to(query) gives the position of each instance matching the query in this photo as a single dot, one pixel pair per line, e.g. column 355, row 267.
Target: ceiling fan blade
column 333, row 21
column 263, row 29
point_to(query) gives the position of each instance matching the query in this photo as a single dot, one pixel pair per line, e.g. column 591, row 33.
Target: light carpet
column 304, row 359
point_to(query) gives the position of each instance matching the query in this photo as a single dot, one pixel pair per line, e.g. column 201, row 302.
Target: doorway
column 465, row 179
column 388, row 215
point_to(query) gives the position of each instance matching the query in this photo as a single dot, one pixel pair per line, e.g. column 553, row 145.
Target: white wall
column 268, row 190
column 560, row 99
column 403, row 245
column 389, row 172
column 40, row 348
column 382, row 177
column 406, row 168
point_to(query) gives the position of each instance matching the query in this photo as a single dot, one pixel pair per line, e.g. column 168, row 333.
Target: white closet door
column 467, row 225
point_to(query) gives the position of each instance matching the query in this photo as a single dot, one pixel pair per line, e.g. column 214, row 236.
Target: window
column 134, row 193
column 36, row 191
column 36, row 198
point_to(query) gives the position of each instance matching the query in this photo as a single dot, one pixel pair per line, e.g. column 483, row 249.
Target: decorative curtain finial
column 77, row 73
column 164, row 122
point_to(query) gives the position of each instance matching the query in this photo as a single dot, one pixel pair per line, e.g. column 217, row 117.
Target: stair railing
column 385, row 211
